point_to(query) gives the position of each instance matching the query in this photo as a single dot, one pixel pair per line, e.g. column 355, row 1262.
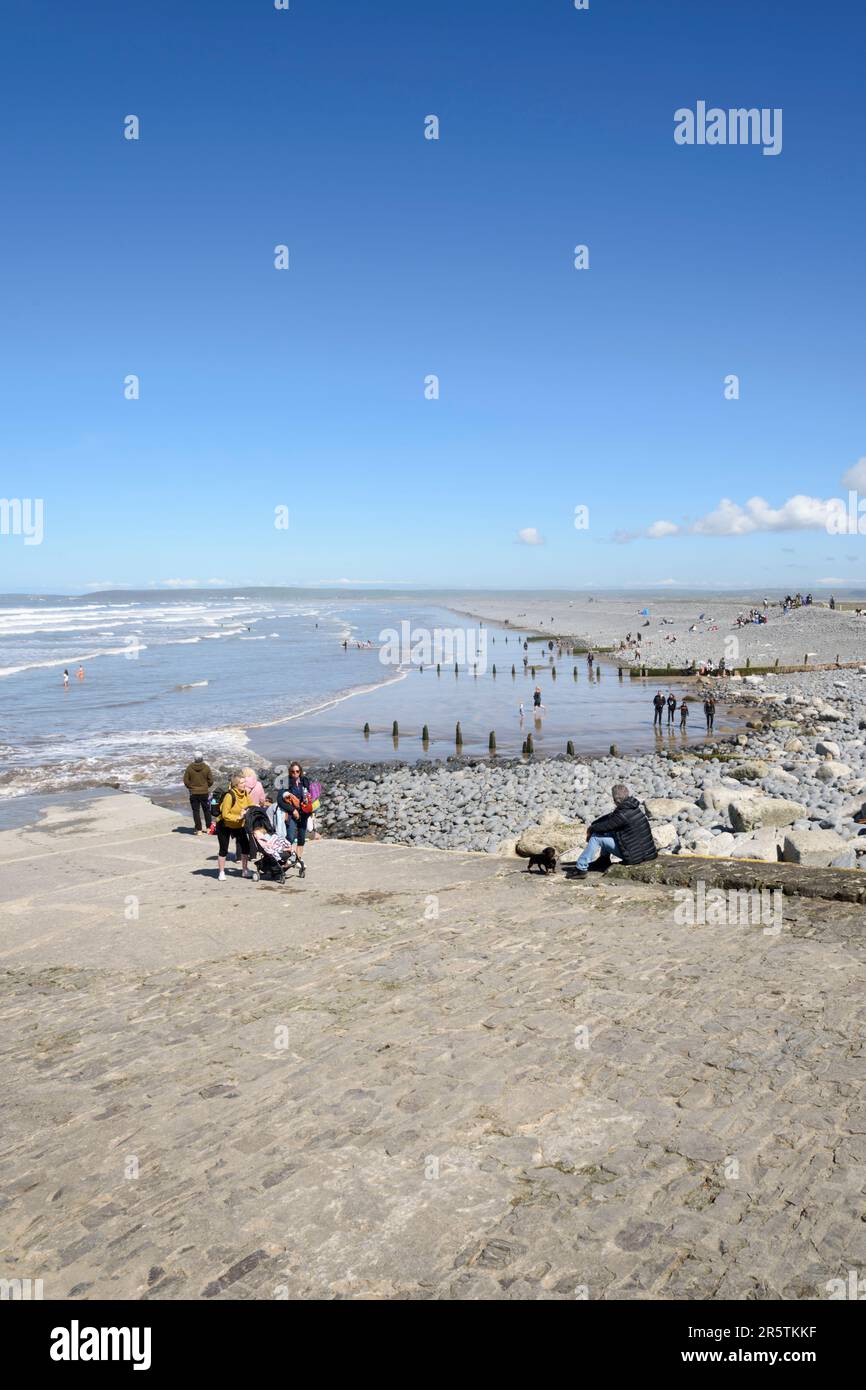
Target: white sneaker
column 221, row 877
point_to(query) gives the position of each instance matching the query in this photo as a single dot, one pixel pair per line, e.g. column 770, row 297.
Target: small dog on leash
column 545, row 862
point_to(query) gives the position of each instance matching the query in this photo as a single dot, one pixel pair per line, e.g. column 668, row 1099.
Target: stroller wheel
column 255, row 875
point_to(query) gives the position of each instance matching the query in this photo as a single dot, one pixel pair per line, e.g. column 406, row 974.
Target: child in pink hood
column 253, row 787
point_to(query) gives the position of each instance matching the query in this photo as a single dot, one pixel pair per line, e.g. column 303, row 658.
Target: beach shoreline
column 601, row 623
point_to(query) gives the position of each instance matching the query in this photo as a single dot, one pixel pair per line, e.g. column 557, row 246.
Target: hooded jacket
column 233, row 807
column 198, row 778
column 631, row 830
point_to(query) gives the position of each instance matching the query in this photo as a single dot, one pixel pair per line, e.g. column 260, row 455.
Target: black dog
column 545, row 862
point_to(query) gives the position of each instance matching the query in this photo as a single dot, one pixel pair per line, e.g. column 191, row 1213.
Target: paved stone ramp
column 547, row 1090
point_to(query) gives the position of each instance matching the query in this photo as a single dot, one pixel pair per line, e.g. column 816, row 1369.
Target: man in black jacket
column 625, row 832
column 658, row 706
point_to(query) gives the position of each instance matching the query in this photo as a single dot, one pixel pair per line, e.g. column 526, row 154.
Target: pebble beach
column 816, row 631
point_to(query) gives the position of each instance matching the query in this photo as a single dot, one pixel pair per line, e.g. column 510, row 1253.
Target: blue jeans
column 596, row 844
column 296, row 830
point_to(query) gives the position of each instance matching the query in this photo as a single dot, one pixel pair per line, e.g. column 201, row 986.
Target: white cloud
column 529, row 536
column 662, row 583
column 179, row 583
column 856, row 476
column 799, row 513
column 832, row 580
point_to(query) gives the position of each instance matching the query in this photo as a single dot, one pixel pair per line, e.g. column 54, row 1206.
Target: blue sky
column 305, row 388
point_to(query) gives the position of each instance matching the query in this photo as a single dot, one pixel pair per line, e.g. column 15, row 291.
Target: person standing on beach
column 536, row 698
column 65, row 680
column 231, row 825
column 658, row 706
column 672, row 705
column 709, row 712
column 684, row 715
column 293, row 801
column 198, row 780
column 80, row 673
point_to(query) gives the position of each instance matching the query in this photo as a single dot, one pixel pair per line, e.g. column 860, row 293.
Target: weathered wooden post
column 366, row 730
column 425, row 735
column 530, row 746
column 569, row 749
column 491, row 742
column 395, row 732
column 458, row 735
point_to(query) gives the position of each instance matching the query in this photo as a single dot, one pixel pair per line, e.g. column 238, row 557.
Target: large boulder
column 754, row 812
column 751, row 771
column 829, row 713
column 830, row 770
column 665, row 836
column 663, row 807
column 760, row 844
column 718, row 797
column 815, row 848
column 719, row 847
column 554, row 830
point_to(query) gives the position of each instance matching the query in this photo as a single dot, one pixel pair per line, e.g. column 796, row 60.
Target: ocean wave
column 133, row 761
column 332, row 702
column 70, row 661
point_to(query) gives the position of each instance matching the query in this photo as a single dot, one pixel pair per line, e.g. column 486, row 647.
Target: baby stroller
column 265, row 865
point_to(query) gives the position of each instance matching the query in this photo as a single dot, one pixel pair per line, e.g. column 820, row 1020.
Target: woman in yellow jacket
column 231, row 824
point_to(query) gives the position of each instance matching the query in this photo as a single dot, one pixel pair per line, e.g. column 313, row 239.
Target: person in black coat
column 624, row 832
column 658, row 706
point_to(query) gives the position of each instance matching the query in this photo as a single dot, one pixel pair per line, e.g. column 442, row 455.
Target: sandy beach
column 604, row 621
column 328, row 1090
